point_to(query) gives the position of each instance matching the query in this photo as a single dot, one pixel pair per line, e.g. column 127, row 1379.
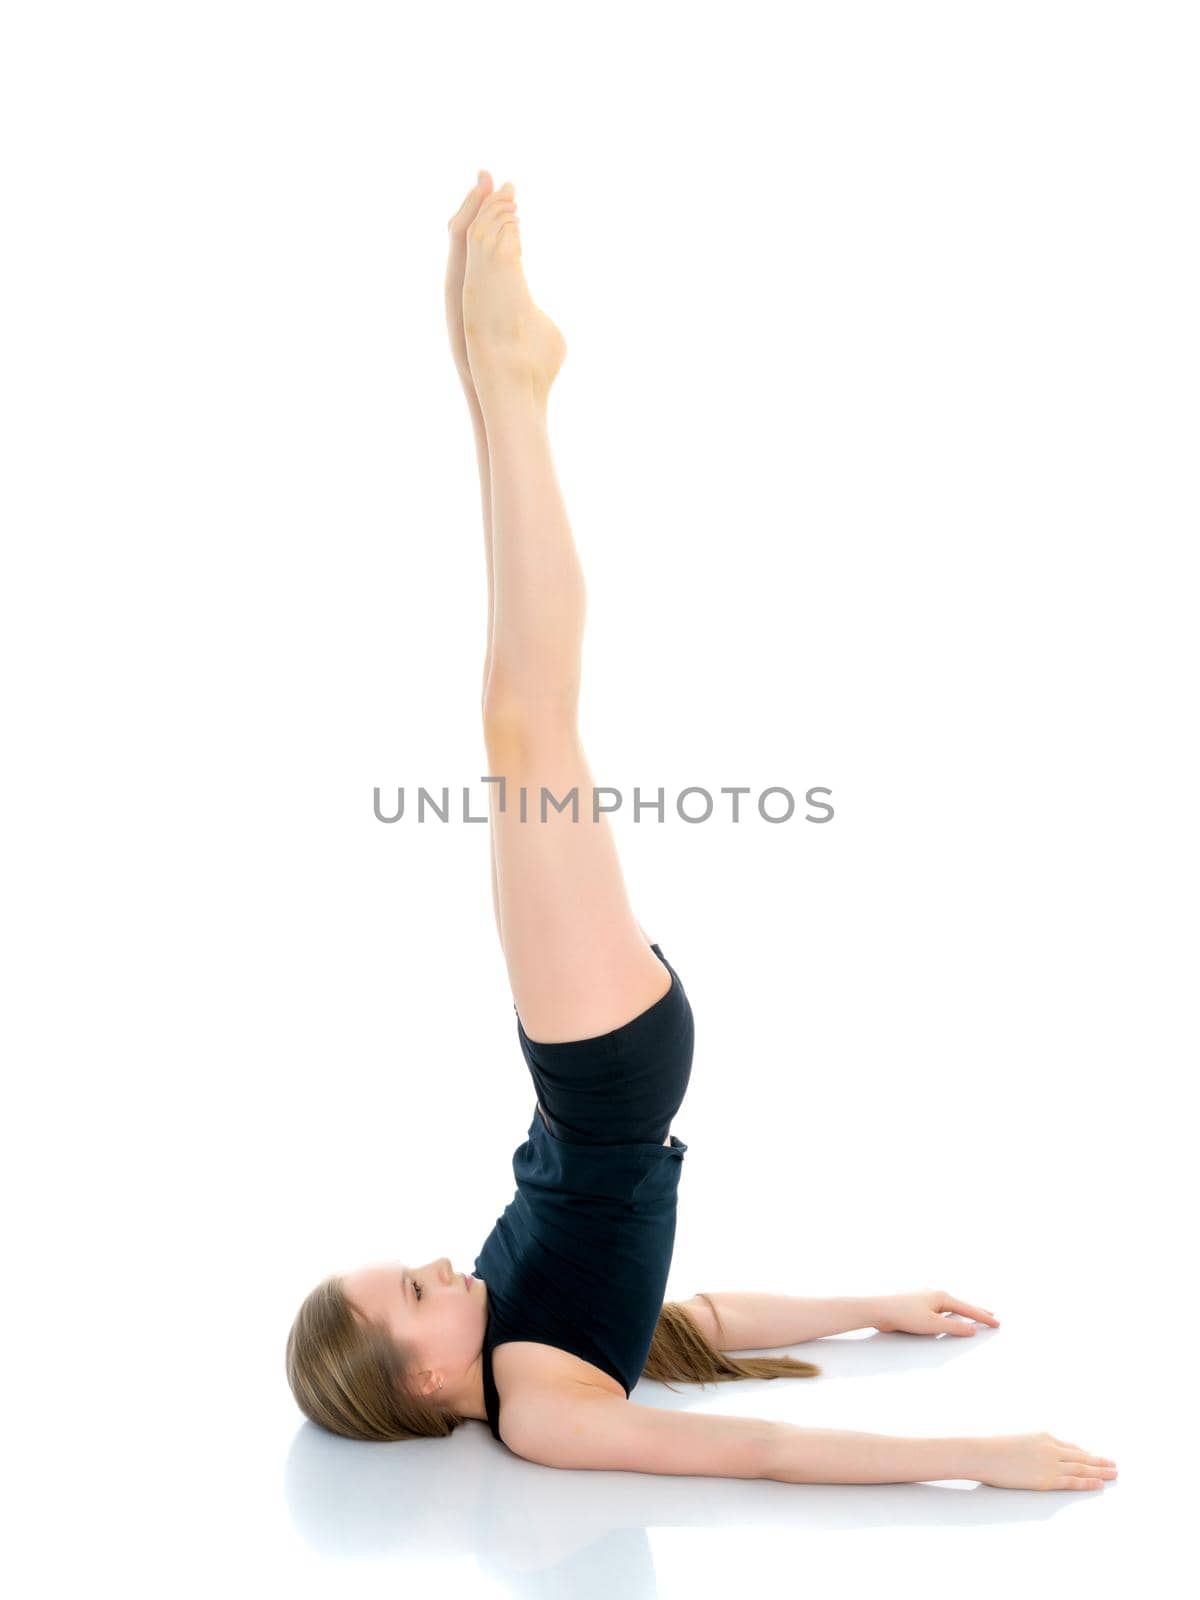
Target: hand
column 924, row 1312
column 1038, row 1461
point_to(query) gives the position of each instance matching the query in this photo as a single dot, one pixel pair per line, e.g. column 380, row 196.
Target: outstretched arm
column 746, row 1321
column 604, row 1432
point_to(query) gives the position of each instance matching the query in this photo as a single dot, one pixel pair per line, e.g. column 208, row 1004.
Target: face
column 430, row 1308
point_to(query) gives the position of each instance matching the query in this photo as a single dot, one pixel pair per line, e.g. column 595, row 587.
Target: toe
column 466, row 213
column 508, row 240
column 504, row 199
column 496, row 210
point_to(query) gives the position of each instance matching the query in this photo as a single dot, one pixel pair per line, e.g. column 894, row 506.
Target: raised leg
column 455, row 271
column 578, row 963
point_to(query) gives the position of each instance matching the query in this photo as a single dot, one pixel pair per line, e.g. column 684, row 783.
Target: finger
column 956, row 1326
column 1072, row 1452
column 977, row 1312
column 1079, row 1483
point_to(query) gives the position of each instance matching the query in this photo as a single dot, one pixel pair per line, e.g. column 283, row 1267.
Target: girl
column 563, row 1313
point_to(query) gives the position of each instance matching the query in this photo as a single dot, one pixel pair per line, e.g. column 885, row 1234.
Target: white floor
column 468, row 1515
column 268, row 1503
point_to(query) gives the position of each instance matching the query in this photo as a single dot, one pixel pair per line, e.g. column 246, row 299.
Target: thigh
column 578, row 963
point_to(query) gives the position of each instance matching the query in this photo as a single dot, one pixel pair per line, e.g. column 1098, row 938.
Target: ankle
column 522, row 359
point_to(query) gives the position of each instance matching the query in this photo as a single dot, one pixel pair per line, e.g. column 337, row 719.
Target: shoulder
column 534, row 1403
column 530, row 1376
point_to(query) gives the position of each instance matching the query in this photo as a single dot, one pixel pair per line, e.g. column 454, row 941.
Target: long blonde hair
column 350, row 1376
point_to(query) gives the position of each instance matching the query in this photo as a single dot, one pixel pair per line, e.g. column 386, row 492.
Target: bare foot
column 509, row 340
column 456, row 269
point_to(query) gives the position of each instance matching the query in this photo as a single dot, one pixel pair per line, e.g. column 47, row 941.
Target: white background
column 877, row 431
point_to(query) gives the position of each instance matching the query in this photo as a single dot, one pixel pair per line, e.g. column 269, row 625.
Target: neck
column 467, row 1397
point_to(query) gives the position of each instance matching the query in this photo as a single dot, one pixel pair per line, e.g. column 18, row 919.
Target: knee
column 527, row 720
